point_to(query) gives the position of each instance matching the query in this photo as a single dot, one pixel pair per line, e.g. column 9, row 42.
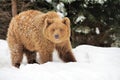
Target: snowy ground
column 93, row 63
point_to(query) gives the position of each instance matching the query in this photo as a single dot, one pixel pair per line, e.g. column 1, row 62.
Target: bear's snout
column 56, row 36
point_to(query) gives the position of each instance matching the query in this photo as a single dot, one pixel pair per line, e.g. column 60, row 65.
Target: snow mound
column 93, row 63
column 4, row 54
column 98, row 55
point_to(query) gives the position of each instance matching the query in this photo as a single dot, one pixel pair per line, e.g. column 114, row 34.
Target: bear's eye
column 61, row 30
column 53, row 30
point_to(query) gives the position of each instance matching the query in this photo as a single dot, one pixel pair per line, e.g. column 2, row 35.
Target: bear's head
column 57, row 30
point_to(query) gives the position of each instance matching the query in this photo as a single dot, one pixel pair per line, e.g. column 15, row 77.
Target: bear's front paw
column 68, row 57
column 17, row 65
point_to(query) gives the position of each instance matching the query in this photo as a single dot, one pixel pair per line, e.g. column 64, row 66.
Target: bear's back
column 21, row 28
column 23, row 20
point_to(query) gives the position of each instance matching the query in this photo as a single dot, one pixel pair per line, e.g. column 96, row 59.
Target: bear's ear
column 66, row 21
column 48, row 22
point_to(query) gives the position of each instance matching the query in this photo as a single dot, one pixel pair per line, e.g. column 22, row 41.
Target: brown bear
column 33, row 31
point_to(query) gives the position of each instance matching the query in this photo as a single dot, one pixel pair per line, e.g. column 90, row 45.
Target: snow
column 61, row 9
column 78, row 30
column 60, row 6
column 96, row 1
column 93, row 63
column 4, row 54
column 60, row 14
column 82, row 29
column 32, row 0
column 80, row 18
column 97, row 30
column 49, row 1
column 101, row 1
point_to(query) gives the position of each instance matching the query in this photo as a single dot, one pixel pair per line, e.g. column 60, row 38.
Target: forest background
column 93, row 22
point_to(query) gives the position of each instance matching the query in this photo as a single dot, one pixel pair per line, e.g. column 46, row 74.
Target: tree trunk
column 14, row 7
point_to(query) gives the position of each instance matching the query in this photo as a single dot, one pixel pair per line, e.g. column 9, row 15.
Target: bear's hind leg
column 16, row 58
column 31, row 56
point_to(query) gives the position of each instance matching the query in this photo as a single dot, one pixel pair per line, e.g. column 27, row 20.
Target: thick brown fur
column 33, row 31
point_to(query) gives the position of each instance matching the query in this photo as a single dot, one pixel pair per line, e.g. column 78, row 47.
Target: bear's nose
column 56, row 36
